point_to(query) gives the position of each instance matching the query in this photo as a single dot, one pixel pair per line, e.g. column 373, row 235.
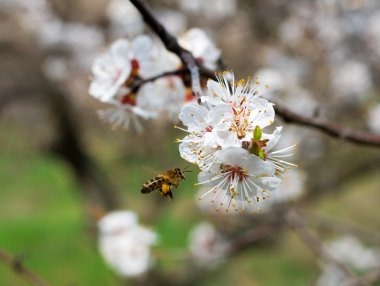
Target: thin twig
column 340, row 225
column 139, row 83
column 372, row 277
column 17, row 266
column 330, row 128
column 295, row 221
column 248, row 238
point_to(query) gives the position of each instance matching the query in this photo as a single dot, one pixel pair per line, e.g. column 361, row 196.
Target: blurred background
column 61, row 168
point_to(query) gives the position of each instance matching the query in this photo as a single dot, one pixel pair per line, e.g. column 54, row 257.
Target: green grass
column 41, row 219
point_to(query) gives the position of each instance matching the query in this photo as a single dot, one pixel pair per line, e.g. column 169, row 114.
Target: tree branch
column 17, row 266
column 295, row 221
column 136, row 85
column 172, row 45
column 249, row 238
column 196, row 70
column 332, row 129
column 100, row 194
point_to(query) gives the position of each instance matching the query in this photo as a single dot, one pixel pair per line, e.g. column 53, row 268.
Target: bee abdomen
column 151, row 185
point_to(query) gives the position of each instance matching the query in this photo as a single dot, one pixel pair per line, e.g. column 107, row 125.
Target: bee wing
column 150, row 170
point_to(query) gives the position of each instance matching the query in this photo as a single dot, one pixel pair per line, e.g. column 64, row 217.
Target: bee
column 164, row 182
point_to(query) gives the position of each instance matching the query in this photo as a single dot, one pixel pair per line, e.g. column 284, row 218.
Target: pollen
column 240, row 82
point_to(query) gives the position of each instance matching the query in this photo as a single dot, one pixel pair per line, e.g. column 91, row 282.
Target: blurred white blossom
column 291, row 31
column 55, row 68
column 372, row 33
column 374, row 118
column 123, row 60
column 273, row 78
column 351, row 80
column 113, row 73
column 284, row 86
column 125, row 19
column 201, row 46
column 175, row 22
column 213, row 9
column 291, row 188
column 124, row 244
column 331, row 275
column 207, row 246
column 165, row 95
column 350, row 251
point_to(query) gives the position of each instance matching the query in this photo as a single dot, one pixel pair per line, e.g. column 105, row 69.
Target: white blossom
column 278, row 157
column 201, row 46
column 114, row 72
column 239, row 178
column 124, row 244
column 122, row 115
column 238, row 162
column 291, row 188
column 247, row 108
column 114, row 68
column 203, row 126
column 207, row 246
column 165, row 95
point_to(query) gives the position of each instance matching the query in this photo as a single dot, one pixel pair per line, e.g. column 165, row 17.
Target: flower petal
column 194, row 117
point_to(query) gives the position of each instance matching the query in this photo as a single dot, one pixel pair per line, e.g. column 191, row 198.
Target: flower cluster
column 226, row 140
column 124, row 244
column 119, row 74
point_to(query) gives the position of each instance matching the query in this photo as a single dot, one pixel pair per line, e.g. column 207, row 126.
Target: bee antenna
column 187, row 171
column 187, row 167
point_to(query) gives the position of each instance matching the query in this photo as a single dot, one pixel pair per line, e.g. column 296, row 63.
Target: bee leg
column 176, row 184
column 166, row 190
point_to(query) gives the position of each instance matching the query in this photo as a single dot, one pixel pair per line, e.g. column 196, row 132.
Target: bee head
column 179, row 173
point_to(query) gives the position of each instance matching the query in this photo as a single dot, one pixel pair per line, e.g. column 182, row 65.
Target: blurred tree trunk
column 23, row 81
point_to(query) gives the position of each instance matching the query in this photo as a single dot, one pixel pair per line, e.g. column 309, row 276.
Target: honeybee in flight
column 164, row 182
